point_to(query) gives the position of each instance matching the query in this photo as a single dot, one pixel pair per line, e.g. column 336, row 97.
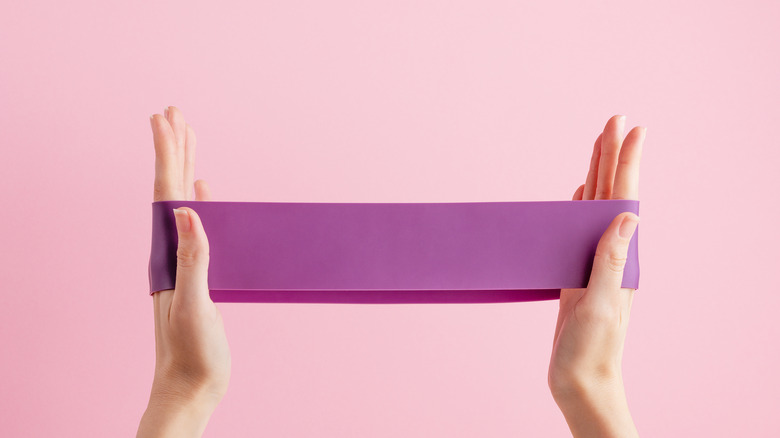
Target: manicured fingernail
column 182, row 219
column 166, row 112
column 628, row 225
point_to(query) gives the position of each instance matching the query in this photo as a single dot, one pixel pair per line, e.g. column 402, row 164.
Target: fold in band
column 463, row 252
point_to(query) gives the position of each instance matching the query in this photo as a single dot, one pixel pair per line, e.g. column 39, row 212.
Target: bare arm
column 585, row 375
column 192, row 368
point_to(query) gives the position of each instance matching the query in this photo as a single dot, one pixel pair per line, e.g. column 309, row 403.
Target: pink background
column 400, row 101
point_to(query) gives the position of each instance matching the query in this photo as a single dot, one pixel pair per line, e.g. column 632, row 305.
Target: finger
column 157, row 322
column 176, row 119
column 192, row 263
column 162, row 305
column 202, row 191
column 167, row 173
column 189, row 160
column 593, row 171
column 606, row 276
column 578, row 193
column 611, row 139
column 627, row 173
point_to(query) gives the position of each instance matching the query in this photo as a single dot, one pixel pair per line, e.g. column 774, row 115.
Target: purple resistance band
column 461, row 252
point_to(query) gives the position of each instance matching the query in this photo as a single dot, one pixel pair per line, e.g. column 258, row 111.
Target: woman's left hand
column 585, row 374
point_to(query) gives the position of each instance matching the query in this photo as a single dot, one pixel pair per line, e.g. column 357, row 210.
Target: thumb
column 611, row 253
column 192, row 260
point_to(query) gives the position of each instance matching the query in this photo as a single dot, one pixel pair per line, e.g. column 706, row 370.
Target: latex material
column 464, row 252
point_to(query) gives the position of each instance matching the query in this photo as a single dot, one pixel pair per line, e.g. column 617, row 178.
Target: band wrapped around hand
column 461, row 252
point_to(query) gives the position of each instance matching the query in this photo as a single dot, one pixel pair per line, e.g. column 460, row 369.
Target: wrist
column 168, row 392
column 595, row 406
column 176, row 411
column 180, row 384
column 580, row 388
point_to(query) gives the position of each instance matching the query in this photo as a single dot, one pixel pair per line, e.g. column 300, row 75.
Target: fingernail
column 182, row 219
column 166, row 112
column 151, row 120
column 628, row 225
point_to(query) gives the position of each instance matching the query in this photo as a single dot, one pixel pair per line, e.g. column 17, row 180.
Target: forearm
column 597, row 410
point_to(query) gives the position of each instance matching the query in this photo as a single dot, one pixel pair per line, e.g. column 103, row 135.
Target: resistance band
column 461, row 252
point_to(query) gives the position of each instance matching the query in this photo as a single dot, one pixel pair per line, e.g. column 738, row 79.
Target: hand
column 192, row 355
column 585, row 375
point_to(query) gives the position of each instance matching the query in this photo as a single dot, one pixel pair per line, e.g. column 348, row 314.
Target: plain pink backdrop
column 398, row 101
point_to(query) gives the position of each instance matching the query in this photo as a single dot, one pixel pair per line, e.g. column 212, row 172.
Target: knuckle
column 187, row 257
column 610, row 152
column 616, row 263
column 613, row 260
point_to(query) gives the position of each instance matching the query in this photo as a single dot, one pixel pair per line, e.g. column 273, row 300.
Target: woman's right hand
column 192, row 354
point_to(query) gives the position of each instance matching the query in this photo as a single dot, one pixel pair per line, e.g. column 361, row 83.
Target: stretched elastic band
column 463, row 252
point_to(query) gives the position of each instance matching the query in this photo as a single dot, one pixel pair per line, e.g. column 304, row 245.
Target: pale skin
column 585, row 373
column 192, row 354
column 192, row 367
